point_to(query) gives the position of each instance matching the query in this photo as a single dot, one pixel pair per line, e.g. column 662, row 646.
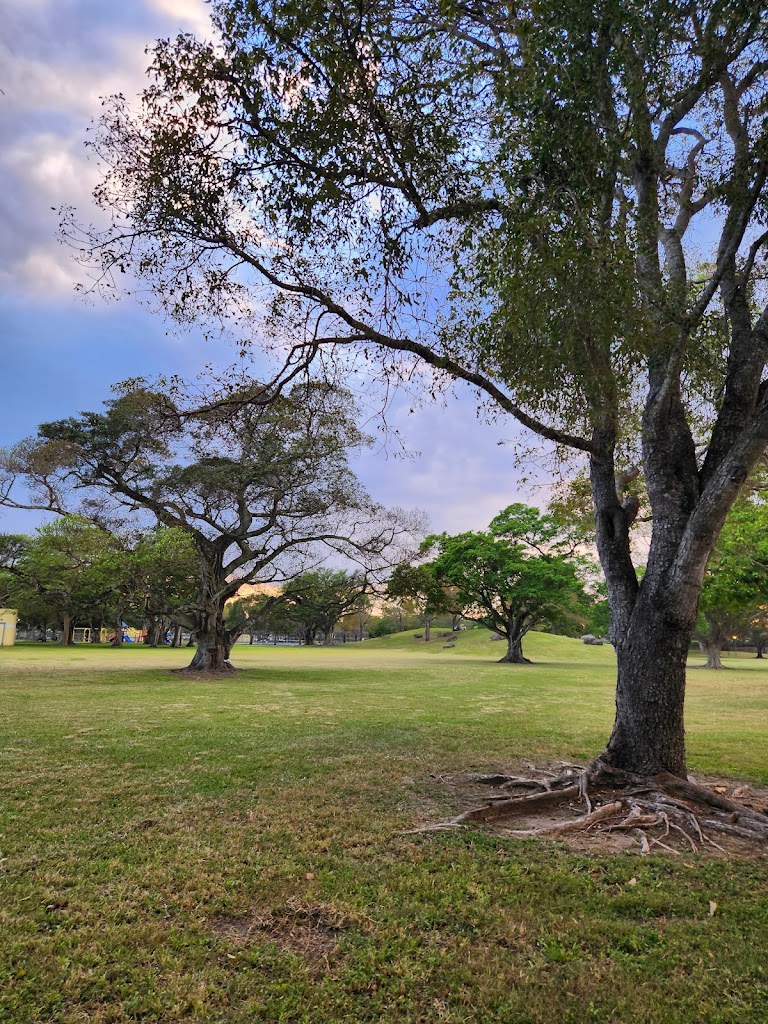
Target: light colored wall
column 8, row 617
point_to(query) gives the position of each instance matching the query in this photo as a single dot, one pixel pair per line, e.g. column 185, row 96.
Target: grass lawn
column 176, row 850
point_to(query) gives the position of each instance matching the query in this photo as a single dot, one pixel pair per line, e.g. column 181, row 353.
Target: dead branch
column 519, row 805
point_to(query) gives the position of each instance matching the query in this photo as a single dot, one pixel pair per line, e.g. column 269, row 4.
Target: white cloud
column 191, row 15
column 59, row 58
column 55, row 169
column 460, row 475
column 42, row 172
column 48, row 274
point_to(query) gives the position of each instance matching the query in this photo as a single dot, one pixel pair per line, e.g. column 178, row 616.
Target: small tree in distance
column 736, row 583
column 510, row 578
column 316, row 600
column 421, row 592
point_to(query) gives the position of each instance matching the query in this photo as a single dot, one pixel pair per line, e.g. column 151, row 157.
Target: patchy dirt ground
column 602, row 821
column 311, row 932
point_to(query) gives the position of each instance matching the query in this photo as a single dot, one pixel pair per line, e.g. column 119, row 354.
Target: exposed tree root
column 660, row 811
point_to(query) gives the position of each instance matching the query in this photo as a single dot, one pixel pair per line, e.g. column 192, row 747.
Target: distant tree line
column 73, row 573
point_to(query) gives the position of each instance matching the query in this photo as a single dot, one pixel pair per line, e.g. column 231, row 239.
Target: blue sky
column 60, row 353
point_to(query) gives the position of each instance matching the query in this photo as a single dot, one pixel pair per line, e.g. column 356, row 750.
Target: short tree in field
column 249, row 614
column 511, row 578
column 316, row 600
column 736, row 584
column 262, row 491
column 420, row 593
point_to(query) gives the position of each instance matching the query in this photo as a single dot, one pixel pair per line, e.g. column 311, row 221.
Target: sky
column 60, row 353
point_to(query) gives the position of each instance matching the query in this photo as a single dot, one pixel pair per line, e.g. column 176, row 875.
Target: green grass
column 177, row 850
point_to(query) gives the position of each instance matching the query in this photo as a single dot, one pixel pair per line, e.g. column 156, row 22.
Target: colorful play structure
column 84, row 635
column 8, row 618
column 130, row 635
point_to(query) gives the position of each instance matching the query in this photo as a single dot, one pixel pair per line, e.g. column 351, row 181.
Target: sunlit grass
column 177, row 850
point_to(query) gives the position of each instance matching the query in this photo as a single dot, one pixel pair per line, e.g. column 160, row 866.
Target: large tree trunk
column 517, row 627
column 212, row 655
column 214, row 643
column 648, row 734
column 713, row 655
column 760, row 649
column 68, row 631
column 514, row 654
column 651, row 623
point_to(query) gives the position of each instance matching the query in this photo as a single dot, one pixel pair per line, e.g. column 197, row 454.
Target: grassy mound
column 537, row 646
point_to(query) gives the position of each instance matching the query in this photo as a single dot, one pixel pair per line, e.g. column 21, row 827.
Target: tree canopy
column 74, row 570
column 71, row 569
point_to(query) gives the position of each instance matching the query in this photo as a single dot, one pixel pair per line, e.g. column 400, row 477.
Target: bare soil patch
column 308, row 931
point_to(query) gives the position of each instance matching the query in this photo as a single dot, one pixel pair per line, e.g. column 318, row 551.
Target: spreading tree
column 511, row 577
column 561, row 205
column 261, row 490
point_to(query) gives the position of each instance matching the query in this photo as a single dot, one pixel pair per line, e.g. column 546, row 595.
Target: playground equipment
column 130, row 635
column 8, row 618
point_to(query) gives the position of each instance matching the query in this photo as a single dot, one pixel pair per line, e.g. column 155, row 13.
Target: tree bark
column 514, row 629
column 713, row 656
column 648, row 734
column 652, row 622
column 155, row 630
column 214, row 643
column 212, row 655
column 514, row 654
column 68, row 630
column 118, row 640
